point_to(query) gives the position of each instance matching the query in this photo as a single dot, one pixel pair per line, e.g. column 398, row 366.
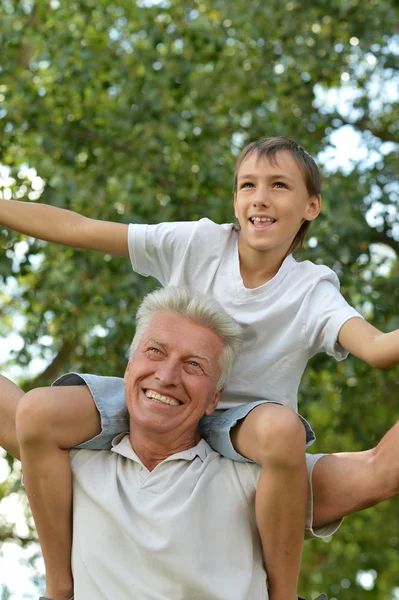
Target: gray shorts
column 109, row 397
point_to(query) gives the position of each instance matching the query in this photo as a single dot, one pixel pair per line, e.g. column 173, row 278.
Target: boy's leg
column 49, row 421
column 352, row 481
column 10, row 394
column 274, row 437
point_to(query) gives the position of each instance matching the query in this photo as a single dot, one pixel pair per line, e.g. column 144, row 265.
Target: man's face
column 171, row 379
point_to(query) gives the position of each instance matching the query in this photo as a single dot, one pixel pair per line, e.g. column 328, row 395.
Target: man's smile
column 153, row 395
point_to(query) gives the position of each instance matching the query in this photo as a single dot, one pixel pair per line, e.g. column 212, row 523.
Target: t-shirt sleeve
column 327, row 312
column 156, row 250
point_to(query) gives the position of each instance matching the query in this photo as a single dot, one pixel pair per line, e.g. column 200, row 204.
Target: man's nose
column 167, row 372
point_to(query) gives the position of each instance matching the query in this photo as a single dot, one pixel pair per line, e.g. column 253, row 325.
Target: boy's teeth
column 263, row 219
column 161, row 398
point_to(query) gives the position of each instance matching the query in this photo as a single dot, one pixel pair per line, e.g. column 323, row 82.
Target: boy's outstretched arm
column 376, row 348
column 10, row 395
column 62, row 226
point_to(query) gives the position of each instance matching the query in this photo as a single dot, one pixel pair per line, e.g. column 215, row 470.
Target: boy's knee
column 32, row 418
column 281, row 435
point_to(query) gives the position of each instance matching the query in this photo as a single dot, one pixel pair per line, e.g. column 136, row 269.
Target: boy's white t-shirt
column 286, row 321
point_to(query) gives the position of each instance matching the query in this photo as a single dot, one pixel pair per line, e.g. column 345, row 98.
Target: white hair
column 200, row 309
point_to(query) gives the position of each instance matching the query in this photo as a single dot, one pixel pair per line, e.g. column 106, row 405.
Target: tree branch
column 54, row 368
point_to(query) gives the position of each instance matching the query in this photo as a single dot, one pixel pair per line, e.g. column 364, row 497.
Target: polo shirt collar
column 121, row 445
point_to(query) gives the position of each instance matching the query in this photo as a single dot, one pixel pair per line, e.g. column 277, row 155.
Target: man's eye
column 194, row 366
column 154, row 353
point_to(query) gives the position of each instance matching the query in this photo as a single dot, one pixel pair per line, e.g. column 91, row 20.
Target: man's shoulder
column 81, row 457
column 244, row 474
column 248, row 473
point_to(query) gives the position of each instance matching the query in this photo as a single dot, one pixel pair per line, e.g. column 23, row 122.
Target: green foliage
column 135, row 111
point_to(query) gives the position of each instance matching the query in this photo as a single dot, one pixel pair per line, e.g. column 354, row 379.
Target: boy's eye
column 247, row 184
column 280, row 184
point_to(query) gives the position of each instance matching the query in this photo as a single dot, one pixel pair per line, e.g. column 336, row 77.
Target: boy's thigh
column 223, row 429
column 104, row 408
column 63, row 416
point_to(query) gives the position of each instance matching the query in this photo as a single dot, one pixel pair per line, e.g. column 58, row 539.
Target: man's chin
column 156, row 423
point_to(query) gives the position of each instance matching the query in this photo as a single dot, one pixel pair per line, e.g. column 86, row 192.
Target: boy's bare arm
column 361, row 339
column 10, row 395
column 64, row 227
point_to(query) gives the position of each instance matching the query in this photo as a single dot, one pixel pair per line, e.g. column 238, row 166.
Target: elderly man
column 162, row 515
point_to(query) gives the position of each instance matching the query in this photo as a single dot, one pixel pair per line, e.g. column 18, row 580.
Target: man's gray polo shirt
column 185, row 530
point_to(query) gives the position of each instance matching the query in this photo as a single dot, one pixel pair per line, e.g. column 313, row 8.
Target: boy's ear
column 314, row 208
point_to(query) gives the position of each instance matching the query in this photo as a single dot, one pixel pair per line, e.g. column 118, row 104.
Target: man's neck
column 152, row 449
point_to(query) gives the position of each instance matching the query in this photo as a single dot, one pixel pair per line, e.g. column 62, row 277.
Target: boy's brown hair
column 268, row 148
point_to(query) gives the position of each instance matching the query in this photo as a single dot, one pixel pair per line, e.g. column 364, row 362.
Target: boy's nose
column 261, row 202
column 261, row 198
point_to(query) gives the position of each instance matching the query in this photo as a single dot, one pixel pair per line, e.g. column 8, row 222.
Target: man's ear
column 313, row 208
column 211, row 407
column 126, row 372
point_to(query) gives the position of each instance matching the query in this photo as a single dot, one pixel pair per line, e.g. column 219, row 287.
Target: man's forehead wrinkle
column 156, row 341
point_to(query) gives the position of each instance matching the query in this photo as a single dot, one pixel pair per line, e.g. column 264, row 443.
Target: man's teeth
column 160, row 398
column 262, row 220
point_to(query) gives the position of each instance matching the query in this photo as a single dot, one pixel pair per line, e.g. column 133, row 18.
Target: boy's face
column 271, row 203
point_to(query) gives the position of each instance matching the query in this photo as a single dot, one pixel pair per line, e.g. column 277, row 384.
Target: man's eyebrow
column 155, row 341
column 203, row 357
column 273, row 176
